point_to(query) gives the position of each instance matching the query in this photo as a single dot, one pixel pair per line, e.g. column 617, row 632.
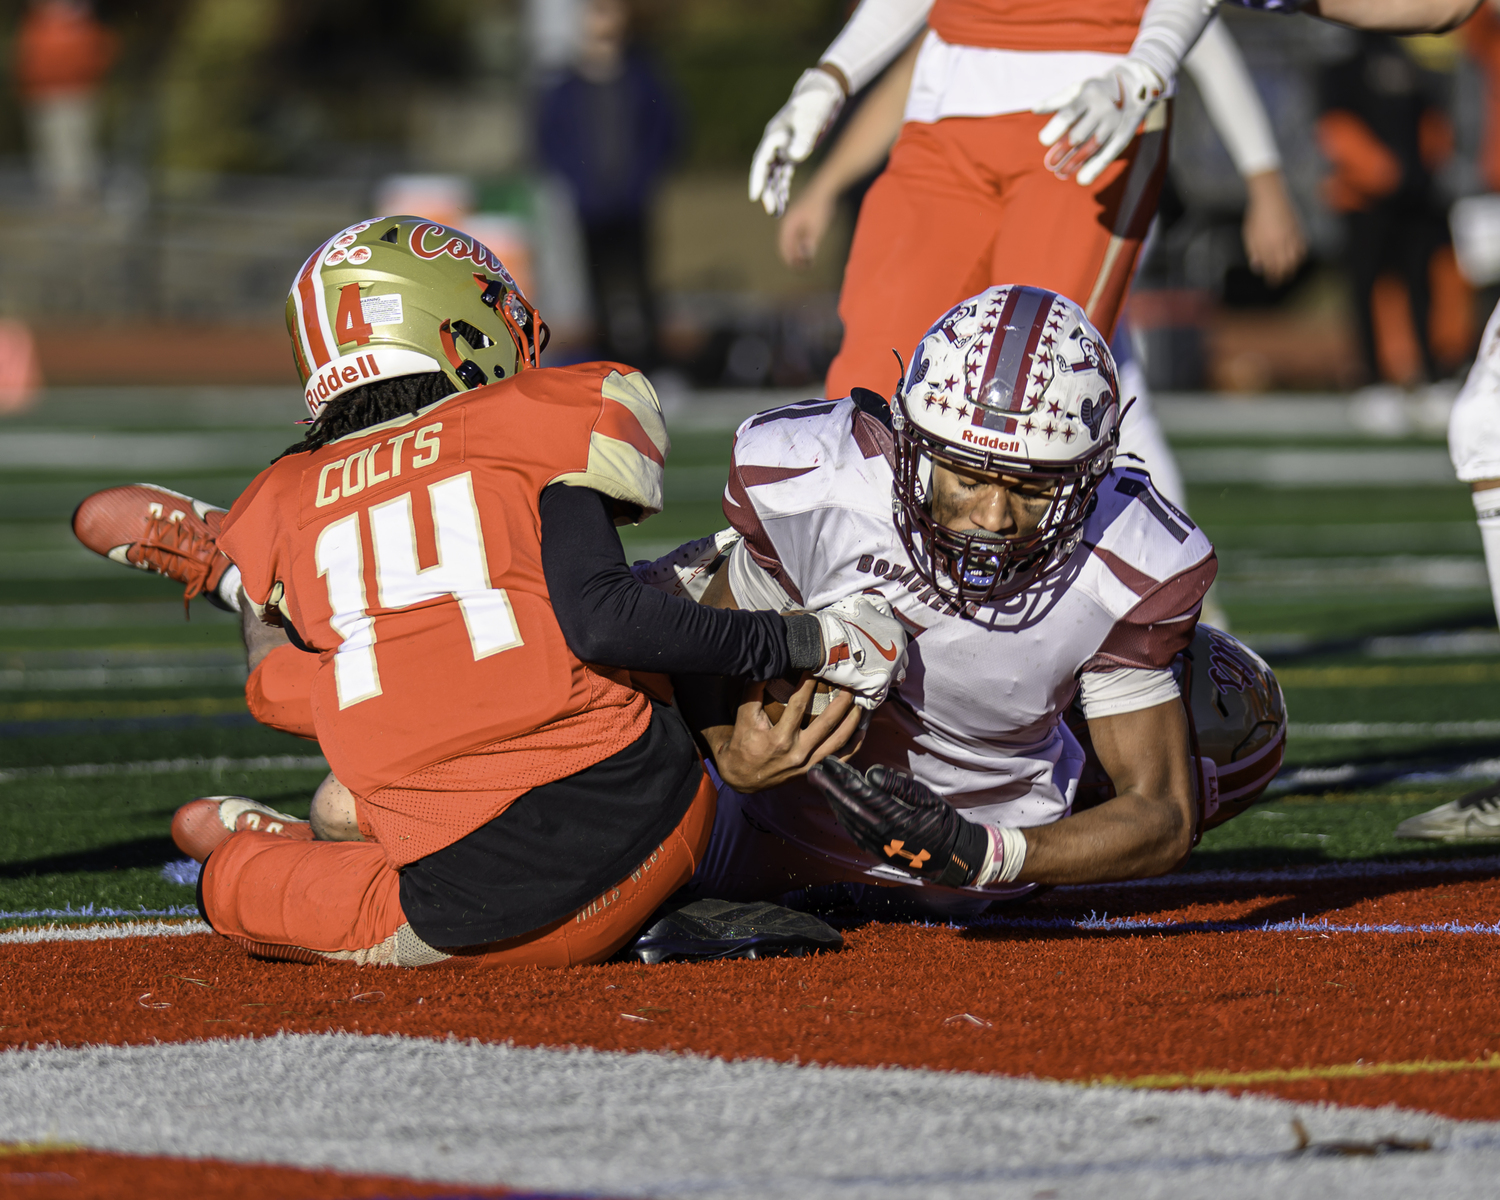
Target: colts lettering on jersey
column 363, row 469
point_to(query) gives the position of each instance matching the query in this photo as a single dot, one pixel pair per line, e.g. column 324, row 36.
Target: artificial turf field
column 1301, row 952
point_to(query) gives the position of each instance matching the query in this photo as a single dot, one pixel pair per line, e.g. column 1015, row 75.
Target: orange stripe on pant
column 312, row 901
column 966, row 203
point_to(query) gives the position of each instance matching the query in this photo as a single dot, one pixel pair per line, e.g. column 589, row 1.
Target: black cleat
column 707, row 929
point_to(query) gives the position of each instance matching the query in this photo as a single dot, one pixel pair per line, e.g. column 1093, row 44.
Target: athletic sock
column 1487, row 509
column 228, row 591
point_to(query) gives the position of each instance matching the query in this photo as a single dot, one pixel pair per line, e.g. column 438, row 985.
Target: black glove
column 903, row 822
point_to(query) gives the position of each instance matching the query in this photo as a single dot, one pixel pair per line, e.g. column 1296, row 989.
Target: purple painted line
column 1105, row 924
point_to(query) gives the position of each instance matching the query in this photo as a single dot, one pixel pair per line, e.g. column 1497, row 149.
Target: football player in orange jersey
column 440, row 555
column 969, row 198
column 1012, row 107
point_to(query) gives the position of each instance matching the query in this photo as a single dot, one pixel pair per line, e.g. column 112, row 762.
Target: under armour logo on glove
column 904, row 823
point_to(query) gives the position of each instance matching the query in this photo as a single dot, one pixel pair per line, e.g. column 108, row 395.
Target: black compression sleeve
column 609, row 617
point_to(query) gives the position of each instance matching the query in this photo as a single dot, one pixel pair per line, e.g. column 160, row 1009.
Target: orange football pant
column 316, row 901
column 966, row 203
column 279, row 690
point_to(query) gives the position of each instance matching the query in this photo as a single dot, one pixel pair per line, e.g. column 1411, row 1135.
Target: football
column 780, row 690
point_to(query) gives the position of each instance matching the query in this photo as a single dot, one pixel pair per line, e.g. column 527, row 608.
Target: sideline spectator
column 1385, row 132
column 608, row 126
column 62, row 53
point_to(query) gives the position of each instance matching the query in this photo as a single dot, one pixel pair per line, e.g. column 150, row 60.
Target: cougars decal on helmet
column 398, row 296
column 1014, row 383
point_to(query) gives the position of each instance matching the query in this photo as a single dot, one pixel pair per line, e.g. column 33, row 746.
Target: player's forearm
column 872, row 37
column 1232, row 102
column 1168, row 30
column 1396, row 16
column 607, row 616
column 870, row 133
column 1129, row 837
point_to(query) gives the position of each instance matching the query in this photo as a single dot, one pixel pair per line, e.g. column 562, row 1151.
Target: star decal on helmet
column 1050, row 430
column 963, row 411
column 1054, row 408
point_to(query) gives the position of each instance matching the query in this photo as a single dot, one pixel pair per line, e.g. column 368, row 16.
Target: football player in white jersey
column 984, row 505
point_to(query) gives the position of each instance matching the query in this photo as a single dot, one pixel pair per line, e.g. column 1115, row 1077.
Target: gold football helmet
column 398, row 296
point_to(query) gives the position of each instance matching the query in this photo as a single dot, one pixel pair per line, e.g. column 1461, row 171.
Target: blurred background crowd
column 165, row 165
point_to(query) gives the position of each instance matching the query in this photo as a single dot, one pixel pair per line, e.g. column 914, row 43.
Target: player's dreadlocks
column 372, row 404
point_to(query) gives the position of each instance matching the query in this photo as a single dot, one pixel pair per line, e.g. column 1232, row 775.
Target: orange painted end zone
column 1057, row 1005
column 94, row 1175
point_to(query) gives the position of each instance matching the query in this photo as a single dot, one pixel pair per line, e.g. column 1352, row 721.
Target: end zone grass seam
column 1354, row 1070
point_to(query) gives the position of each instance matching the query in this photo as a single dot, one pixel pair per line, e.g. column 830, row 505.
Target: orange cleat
column 201, row 826
column 156, row 529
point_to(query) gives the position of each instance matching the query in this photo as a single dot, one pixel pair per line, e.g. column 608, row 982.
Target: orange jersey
column 408, row 555
column 1107, row 26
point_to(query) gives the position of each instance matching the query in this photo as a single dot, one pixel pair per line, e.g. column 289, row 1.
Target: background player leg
column 1079, row 242
column 924, row 231
column 1474, row 445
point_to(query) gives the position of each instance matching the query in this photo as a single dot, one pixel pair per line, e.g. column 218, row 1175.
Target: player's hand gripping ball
column 903, row 822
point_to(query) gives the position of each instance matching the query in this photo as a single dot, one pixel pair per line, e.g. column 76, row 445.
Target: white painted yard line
column 613, row 1124
column 1317, row 468
column 169, row 766
column 37, row 449
column 95, row 933
column 107, row 679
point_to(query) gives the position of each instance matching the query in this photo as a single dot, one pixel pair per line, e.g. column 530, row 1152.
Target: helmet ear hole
column 476, row 339
column 471, row 373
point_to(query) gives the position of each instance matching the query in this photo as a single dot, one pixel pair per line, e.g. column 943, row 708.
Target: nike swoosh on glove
column 864, row 647
column 1100, row 117
column 790, row 137
column 903, row 822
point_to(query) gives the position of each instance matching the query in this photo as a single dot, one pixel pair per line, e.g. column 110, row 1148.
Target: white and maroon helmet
column 1014, row 381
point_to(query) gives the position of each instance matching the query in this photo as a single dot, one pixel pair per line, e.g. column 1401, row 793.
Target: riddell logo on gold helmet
column 337, row 377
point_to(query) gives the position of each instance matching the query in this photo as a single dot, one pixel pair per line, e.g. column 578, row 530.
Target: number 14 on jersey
column 462, row 571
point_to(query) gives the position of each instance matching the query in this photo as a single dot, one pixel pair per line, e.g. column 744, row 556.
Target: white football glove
column 864, row 647
column 790, row 137
column 1100, row 117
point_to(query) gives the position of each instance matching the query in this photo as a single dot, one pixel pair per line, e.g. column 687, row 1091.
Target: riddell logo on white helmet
column 356, row 370
column 999, row 445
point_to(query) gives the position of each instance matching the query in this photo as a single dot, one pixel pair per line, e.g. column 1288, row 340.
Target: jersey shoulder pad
column 1141, row 542
column 813, row 454
column 628, row 443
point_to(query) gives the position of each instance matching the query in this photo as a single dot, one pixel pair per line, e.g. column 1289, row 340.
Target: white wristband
column 1006, row 856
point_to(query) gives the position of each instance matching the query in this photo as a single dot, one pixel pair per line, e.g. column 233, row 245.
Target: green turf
column 1342, row 826
column 102, row 839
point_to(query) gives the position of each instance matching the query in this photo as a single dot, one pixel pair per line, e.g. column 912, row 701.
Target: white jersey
column 979, row 716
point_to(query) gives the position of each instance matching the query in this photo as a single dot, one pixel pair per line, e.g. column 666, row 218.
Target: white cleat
column 1471, row 818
